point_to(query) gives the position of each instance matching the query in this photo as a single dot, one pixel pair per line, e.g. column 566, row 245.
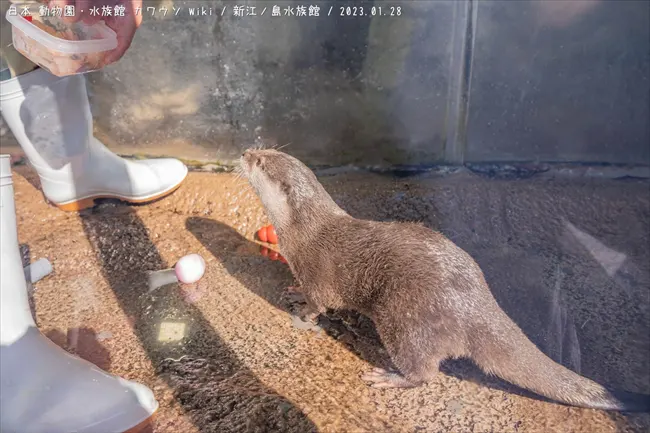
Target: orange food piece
column 271, row 235
column 262, row 234
column 273, row 255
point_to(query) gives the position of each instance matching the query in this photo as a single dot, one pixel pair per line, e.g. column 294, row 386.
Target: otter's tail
column 513, row 357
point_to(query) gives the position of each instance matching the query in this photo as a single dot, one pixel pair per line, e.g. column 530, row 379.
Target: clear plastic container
column 59, row 47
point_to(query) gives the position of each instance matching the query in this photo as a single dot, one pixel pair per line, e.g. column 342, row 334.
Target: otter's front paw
column 380, row 378
column 308, row 313
column 311, row 317
column 293, row 295
column 306, row 320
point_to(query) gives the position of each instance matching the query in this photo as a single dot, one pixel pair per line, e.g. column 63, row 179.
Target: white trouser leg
column 51, row 119
column 43, row 388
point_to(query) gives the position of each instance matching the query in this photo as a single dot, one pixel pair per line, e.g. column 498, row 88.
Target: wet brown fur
column 427, row 297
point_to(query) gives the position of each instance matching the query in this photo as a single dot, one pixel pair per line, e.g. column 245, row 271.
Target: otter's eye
column 258, row 162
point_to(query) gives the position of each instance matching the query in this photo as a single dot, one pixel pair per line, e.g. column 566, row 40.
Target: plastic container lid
column 107, row 43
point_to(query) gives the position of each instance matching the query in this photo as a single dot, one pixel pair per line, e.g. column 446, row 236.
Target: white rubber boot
column 51, row 119
column 43, row 388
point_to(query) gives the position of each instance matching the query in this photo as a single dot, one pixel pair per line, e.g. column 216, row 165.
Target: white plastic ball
column 189, row 269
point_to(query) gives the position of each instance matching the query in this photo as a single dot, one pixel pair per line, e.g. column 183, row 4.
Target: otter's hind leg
column 416, row 363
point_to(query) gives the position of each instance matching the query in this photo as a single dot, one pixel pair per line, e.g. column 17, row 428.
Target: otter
column 427, row 297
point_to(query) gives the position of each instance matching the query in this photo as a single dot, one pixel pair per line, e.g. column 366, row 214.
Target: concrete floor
column 566, row 257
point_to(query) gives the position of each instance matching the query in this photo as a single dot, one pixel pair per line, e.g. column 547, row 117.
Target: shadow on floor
column 203, row 378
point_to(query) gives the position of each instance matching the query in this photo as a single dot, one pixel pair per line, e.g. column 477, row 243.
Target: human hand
column 123, row 26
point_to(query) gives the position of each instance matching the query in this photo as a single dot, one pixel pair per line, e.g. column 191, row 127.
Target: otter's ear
column 285, row 188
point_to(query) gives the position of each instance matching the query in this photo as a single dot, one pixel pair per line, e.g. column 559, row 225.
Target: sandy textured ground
column 566, row 258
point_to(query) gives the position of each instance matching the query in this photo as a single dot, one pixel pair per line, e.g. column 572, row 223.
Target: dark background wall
column 557, row 80
column 440, row 82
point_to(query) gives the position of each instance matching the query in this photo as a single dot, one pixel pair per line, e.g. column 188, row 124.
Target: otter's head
column 287, row 187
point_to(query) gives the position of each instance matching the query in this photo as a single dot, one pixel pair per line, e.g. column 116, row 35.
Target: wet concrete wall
column 340, row 89
column 560, row 81
column 426, row 82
